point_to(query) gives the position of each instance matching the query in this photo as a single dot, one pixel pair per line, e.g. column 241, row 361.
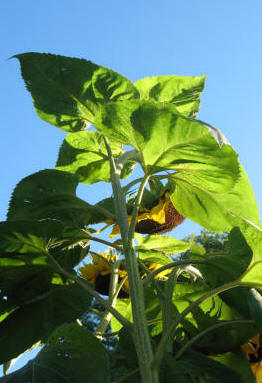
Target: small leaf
column 85, row 154
column 165, row 244
column 125, row 308
column 182, row 91
column 68, row 91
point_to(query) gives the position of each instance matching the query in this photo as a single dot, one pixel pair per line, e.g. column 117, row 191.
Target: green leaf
column 167, row 140
column 167, row 245
column 68, row 91
column 85, row 154
column 228, row 265
column 253, row 236
column 28, row 237
column 198, row 367
column 49, row 194
column 255, row 307
column 210, row 312
column 125, row 308
column 215, row 211
column 35, row 321
column 72, row 355
column 239, row 363
column 38, row 187
column 26, row 269
column 183, row 91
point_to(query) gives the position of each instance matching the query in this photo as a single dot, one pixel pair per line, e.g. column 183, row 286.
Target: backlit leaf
column 214, row 210
column 182, row 91
column 169, row 141
column 85, row 154
column 68, row 91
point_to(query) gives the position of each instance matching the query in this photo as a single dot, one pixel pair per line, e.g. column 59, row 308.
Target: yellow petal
column 89, row 272
column 155, row 266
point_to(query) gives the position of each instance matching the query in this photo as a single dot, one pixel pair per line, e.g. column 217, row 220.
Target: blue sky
column 221, row 39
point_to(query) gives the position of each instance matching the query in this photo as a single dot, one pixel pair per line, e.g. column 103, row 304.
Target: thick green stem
column 140, row 330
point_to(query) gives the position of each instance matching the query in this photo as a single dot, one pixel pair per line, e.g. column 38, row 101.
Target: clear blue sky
column 222, row 39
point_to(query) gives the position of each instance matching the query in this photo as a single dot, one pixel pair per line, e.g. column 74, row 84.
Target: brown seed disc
column 172, row 219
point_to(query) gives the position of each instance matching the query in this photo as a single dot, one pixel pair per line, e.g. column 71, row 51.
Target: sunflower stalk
column 112, row 299
column 140, row 330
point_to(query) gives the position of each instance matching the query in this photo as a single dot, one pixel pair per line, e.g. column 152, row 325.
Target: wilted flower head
column 160, row 218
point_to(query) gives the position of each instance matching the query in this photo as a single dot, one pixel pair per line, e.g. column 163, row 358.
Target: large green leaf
column 26, row 269
column 38, row 187
column 214, row 210
column 68, row 91
column 183, row 91
column 36, row 320
column 169, row 141
column 85, row 154
column 72, row 355
column 50, row 194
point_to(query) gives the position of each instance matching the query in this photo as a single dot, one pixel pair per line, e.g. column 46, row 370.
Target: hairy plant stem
column 112, row 299
column 140, row 330
column 100, row 240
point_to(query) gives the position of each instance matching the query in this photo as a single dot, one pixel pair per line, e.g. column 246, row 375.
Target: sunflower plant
column 179, row 312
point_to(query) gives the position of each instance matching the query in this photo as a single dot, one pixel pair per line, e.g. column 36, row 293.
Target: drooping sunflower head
column 253, row 352
column 161, row 218
column 155, row 216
